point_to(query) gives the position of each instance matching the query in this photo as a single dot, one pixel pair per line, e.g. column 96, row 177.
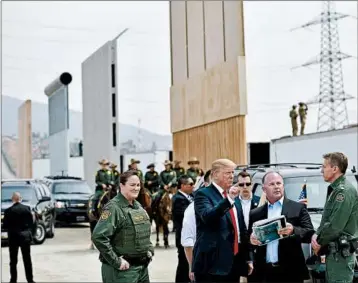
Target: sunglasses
column 190, row 184
column 243, row 184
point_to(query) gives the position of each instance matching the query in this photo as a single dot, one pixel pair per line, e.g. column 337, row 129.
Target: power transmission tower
column 332, row 110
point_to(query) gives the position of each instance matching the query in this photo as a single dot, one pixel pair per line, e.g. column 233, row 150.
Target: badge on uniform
column 340, row 197
column 155, row 174
column 105, row 214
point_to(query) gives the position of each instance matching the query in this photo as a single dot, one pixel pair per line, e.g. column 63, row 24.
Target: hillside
column 9, row 112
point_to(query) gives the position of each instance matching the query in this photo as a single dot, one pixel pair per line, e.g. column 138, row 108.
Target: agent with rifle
column 337, row 235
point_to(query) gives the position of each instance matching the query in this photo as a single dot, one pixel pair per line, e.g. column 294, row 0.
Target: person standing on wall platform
column 337, row 235
column 293, row 116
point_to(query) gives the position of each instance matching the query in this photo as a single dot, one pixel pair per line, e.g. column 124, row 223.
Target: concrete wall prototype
column 24, row 142
column 208, row 93
column 58, row 111
column 100, row 113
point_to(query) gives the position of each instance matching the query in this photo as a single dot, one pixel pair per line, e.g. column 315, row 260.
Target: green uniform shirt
column 194, row 173
column 153, row 177
column 340, row 215
column 168, row 178
column 115, row 177
column 122, row 230
column 179, row 171
column 103, row 177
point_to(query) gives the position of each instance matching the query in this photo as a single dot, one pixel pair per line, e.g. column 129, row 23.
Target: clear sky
column 42, row 39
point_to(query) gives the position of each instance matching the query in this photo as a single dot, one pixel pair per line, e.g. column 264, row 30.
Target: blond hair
column 220, row 164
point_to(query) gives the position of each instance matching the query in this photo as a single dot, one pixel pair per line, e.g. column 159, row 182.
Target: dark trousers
column 278, row 274
column 233, row 276
column 92, row 226
column 26, row 257
column 182, row 274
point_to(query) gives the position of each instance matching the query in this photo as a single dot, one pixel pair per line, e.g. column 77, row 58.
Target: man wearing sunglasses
column 181, row 201
column 248, row 201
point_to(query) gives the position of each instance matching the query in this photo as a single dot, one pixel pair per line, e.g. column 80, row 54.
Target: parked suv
column 71, row 196
column 38, row 198
column 295, row 175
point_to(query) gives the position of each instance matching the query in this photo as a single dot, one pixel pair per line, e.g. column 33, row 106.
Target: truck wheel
column 40, row 234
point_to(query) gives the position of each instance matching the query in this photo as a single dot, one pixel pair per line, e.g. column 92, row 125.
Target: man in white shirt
column 248, row 201
column 188, row 234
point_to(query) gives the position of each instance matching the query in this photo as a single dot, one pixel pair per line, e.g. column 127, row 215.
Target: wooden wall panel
column 220, row 139
column 178, row 41
column 219, row 93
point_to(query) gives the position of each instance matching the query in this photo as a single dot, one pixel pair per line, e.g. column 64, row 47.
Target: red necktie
column 236, row 234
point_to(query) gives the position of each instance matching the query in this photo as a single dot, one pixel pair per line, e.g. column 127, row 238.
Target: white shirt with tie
column 221, row 191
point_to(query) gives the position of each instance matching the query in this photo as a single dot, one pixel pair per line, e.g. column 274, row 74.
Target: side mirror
column 45, row 198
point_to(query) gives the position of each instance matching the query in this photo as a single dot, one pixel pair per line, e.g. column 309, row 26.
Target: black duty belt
column 136, row 261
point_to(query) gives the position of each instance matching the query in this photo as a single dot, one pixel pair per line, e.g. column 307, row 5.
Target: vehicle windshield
column 26, row 192
column 316, row 189
column 71, row 188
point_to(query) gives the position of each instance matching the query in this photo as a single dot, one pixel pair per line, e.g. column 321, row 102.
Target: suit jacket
column 254, row 202
column 290, row 252
column 179, row 204
column 213, row 249
column 19, row 223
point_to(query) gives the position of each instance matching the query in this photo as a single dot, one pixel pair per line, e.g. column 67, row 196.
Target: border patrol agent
column 337, row 235
column 193, row 171
column 151, row 179
column 122, row 235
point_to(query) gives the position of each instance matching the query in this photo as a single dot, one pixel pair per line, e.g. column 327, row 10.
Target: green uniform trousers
column 339, row 269
column 134, row 274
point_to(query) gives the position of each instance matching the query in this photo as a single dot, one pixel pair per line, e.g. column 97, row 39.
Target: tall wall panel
column 178, row 42
column 208, row 108
column 195, row 29
column 100, row 113
column 214, row 33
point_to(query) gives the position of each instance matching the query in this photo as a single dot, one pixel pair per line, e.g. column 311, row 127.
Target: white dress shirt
column 246, row 207
column 188, row 232
column 221, row 191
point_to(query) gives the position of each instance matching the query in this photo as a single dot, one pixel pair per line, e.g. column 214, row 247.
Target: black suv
column 71, row 196
column 38, row 198
column 295, row 175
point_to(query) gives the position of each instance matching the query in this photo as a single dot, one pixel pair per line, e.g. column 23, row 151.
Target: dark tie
column 236, row 237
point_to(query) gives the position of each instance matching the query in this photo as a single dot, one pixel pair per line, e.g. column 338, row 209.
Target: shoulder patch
column 105, row 214
column 340, row 197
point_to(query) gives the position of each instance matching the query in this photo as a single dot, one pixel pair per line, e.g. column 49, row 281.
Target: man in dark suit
column 19, row 223
column 218, row 253
column 283, row 260
column 181, row 201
